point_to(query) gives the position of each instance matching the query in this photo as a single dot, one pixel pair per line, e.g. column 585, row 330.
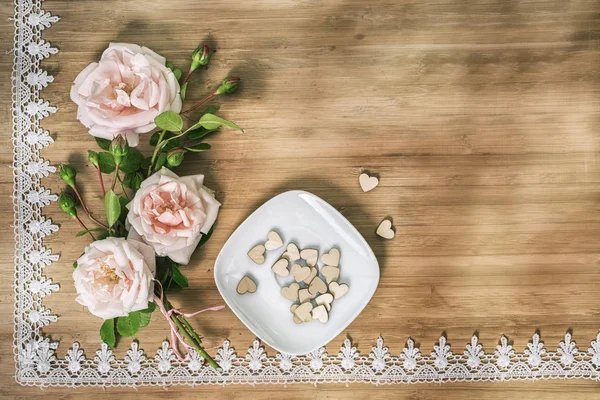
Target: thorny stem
column 156, row 149
column 85, row 228
column 101, row 181
column 123, row 187
column 85, row 209
column 204, row 100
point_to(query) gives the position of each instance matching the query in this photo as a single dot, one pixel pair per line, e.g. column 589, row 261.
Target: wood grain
column 481, row 119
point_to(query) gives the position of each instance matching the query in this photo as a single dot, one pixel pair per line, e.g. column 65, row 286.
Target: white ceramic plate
column 310, row 222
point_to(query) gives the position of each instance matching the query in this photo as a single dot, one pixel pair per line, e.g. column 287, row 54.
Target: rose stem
column 204, row 100
column 160, row 138
column 85, row 209
column 101, row 181
column 195, row 344
column 85, row 228
column 123, row 187
column 115, row 178
column 187, row 77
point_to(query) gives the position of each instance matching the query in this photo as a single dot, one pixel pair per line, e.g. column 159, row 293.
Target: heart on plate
column 291, row 292
column 300, row 273
column 330, row 273
column 367, row 183
column 257, row 254
column 303, row 311
column 311, row 256
column 320, row 314
column 317, row 286
column 332, row 258
column 246, row 285
column 273, row 241
column 304, row 294
column 385, row 229
column 281, row 267
column 325, row 299
column 338, row 290
column 313, row 273
column 291, row 252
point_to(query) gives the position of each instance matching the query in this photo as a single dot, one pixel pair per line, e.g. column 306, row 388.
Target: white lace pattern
column 35, row 355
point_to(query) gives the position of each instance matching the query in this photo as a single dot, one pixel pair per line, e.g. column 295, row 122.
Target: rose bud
column 119, row 148
column 67, row 174
column 229, row 85
column 200, row 57
column 67, row 204
column 175, row 157
column 93, row 158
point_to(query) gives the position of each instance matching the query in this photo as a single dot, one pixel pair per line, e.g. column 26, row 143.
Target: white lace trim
column 35, row 355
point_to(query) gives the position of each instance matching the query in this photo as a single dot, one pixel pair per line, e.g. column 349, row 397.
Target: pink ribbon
column 176, row 337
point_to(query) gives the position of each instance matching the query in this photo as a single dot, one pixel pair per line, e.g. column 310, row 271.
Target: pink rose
column 114, row 277
column 124, row 92
column 170, row 213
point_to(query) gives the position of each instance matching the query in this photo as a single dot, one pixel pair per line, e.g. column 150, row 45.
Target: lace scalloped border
column 35, row 355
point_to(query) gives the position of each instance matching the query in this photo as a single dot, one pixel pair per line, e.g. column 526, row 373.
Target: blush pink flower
column 124, row 92
column 171, row 213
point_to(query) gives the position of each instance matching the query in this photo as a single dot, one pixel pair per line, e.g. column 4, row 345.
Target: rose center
column 110, row 273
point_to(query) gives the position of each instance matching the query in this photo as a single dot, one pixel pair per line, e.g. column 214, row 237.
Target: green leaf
column 107, row 332
column 183, row 91
column 199, row 133
column 198, row 147
column 104, row 144
column 103, row 235
column 171, row 144
column 74, row 264
column 205, row 238
column 161, row 160
column 112, row 207
column 106, row 161
column 132, row 162
column 211, row 110
column 169, row 121
column 177, row 72
column 154, row 139
column 129, row 325
column 144, row 319
column 178, row 277
column 133, row 181
column 81, row 233
column 211, row 121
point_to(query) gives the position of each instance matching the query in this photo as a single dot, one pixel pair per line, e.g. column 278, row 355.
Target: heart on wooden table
column 246, row 285
column 367, row 183
column 385, row 229
column 273, row 241
column 332, row 258
column 281, row 267
column 257, row 254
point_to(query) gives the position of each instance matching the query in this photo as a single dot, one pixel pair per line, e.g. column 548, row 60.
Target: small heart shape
column 326, row 300
column 385, row 229
column 317, row 286
column 246, row 285
column 303, row 312
column 320, row 314
column 291, row 292
column 291, row 252
column 292, row 309
column 273, row 241
column 338, row 290
column 332, row 258
column 300, row 273
column 257, row 254
column 281, row 267
column 311, row 256
column 303, row 295
column 367, row 182
column 330, row 273
column 313, row 273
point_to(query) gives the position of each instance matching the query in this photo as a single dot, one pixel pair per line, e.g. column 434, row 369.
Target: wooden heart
column 311, row 256
column 317, row 286
column 385, row 229
column 326, row 300
column 330, row 273
column 292, row 309
column 367, row 182
column 332, row 258
column 304, row 295
column 291, row 252
column 246, row 285
column 291, row 292
column 320, row 314
column 257, row 254
column 300, row 273
column 281, row 267
column 338, row 290
column 303, row 311
column 313, row 273
column 274, row 241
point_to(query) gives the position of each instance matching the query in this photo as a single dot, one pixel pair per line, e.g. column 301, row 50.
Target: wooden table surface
column 482, row 119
